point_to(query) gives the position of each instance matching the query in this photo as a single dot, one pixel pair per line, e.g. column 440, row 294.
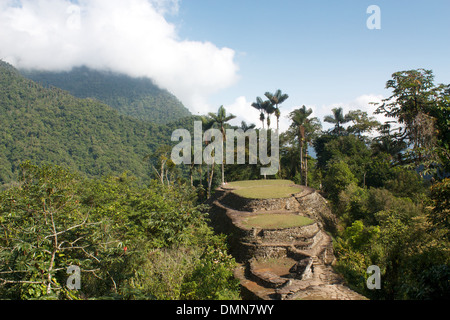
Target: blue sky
column 320, row 52
column 211, row 53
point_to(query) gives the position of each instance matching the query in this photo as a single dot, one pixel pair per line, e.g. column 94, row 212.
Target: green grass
column 264, row 189
column 258, row 183
column 276, row 221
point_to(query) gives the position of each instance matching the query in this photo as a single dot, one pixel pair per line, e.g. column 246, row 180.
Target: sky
column 211, row 53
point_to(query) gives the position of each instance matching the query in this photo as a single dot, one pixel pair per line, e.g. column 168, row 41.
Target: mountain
column 139, row 98
column 49, row 125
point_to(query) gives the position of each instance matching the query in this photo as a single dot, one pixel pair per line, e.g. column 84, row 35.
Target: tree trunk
column 223, row 158
column 210, row 181
column 306, row 166
column 301, row 162
column 162, row 172
column 300, row 142
column 223, row 172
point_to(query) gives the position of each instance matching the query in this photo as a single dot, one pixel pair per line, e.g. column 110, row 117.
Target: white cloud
column 363, row 103
column 132, row 37
column 243, row 111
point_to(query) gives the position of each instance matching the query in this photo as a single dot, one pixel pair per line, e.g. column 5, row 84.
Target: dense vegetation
column 144, row 234
column 48, row 125
column 390, row 190
column 130, row 242
column 70, row 205
column 139, row 98
column 387, row 183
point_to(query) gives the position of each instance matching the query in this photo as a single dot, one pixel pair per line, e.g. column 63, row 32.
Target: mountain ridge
column 50, row 126
column 137, row 97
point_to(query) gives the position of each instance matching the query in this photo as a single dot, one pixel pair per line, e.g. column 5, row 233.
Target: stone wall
column 314, row 206
column 236, row 202
column 289, row 235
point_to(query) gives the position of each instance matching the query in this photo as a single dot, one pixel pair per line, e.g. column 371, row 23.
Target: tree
column 45, row 229
column 163, row 161
column 338, row 177
column 388, row 142
column 338, row 119
column 305, row 129
column 208, row 123
column 276, row 99
column 423, row 109
column 269, row 109
column 412, row 96
column 221, row 118
column 266, row 109
column 258, row 105
column 440, row 212
column 361, row 122
column 245, row 126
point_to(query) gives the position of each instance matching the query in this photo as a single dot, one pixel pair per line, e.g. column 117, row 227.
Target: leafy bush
column 129, row 242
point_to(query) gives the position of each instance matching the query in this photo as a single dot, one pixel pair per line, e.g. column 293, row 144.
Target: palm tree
column 277, row 99
column 258, row 105
column 208, row 123
column 338, row 119
column 298, row 118
column 220, row 119
column 306, row 129
column 245, row 126
column 313, row 128
column 269, row 109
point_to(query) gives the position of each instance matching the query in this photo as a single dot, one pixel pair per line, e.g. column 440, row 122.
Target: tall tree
column 422, row 108
column 338, row 119
column 304, row 128
column 276, row 99
column 313, row 128
column 220, row 119
column 208, row 123
column 269, row 109
column 258, row 105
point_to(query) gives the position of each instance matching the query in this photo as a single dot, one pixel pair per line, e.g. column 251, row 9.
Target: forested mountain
column 48, row 125
column 139, row 98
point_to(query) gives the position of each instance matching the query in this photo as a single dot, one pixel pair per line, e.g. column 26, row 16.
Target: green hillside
column 139, row 98
column 48, row 125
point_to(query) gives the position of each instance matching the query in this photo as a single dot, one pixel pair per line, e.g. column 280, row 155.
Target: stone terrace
column 281, row 263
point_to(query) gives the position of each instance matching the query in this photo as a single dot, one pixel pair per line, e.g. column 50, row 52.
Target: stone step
column 251, row 290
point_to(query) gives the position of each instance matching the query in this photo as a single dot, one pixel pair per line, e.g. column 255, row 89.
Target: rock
column 303, row 269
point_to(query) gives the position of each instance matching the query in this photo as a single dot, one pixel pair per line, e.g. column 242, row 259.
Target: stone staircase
column 281, row 264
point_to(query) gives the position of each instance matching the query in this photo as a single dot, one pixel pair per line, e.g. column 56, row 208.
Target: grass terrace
column 264, row 189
